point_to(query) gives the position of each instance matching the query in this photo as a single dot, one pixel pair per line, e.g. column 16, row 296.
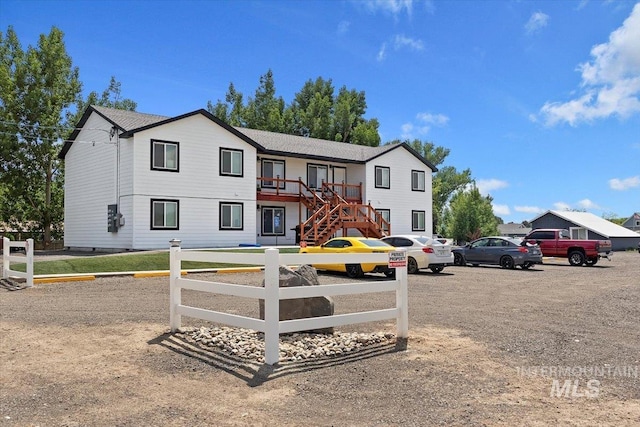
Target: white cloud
column 624, row 184
column 561, row 206
column 394, row 7
column 537, row 21
column 433, row 119
column 485, row 186
column 400, row 41
column 501, row 210
column 588, row 204
column 423, row 124
column 528, row 209
column 382, row 53
column 343, row 27
column 610, row 81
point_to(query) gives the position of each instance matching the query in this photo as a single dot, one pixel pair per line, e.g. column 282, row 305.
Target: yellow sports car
column 344, row 245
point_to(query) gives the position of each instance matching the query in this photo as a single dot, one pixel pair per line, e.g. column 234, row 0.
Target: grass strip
column 137, row 261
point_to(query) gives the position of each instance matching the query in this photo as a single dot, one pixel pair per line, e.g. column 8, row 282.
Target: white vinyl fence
column 271, row 293
column 27, row 258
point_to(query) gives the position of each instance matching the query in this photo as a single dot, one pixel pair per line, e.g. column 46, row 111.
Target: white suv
column 422, row 252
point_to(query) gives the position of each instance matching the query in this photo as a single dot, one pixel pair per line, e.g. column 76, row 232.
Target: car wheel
column 412, row 266
column 437, row 269
column 457, row 259
column 507, row 262
column 354, row 270
column 591, row 262
column 526, row 265
column 576, row 258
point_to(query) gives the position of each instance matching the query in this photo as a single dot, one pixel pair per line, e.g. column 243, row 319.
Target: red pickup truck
column 558, row 243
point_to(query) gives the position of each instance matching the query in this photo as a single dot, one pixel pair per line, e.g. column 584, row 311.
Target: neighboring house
column 633, row 222
column 136, row 181
column 513, row 230
column 585, row 225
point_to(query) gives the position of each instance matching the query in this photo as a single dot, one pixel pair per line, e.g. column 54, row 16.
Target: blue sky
column 540, row 99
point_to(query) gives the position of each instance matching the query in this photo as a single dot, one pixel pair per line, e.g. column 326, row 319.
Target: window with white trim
column 164, row 214
column 231, row 162
column 417, row 180
column 231, row 216
column 273, row 221
column 164, row 155
column 383, row 177
column 417, row 221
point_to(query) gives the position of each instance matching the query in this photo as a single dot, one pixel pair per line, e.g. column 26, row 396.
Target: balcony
column 290, row 190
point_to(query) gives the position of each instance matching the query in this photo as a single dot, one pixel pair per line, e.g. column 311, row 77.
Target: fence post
column 175, row 292
column 29, row 252
column 272, row 306
column 6, row 249
column 402, row 300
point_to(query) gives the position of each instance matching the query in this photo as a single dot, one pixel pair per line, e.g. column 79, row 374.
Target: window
column 316, row 175
column 382, row 177
column 164, row 214
column 164, row 155
column 386, row 215
column 417, row 221
column 272, row 169
column 231, row 216
column 273, row 222
column 230, row 162
column 543, row 235
column 337, row 244
column 417, row 180
column 578, row 233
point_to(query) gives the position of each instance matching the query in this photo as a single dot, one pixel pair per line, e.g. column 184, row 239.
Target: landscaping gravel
column 486, row 346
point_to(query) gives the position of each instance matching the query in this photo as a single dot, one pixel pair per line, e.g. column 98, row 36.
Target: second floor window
column 230, row 162
column 417, row 180
column 272, row 169
column 164, row 155
column 382, row 177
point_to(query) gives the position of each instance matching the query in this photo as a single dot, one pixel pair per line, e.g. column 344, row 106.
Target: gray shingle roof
column 266, row 142
column 128, row 120
column 312, row 147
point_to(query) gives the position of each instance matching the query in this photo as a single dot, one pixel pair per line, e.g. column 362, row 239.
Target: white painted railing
column 26, row 258
column 271, row 293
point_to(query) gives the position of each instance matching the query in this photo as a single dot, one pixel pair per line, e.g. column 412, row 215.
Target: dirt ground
column 487, row 347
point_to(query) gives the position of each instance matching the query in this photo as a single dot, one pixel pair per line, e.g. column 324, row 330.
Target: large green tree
column 470, row 215
column 315, row 112
column 37, row 85
column 110, row 97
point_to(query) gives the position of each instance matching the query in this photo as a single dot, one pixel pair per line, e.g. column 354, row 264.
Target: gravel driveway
column 487, row 347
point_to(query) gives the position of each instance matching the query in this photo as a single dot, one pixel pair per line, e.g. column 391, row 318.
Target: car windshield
column 374, row 243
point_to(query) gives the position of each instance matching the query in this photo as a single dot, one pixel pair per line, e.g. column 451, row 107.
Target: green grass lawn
column 127, row 262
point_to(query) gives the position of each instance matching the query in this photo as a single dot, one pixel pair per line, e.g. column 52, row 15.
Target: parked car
column 345, row 245
column 422, row 252
column 506, row 252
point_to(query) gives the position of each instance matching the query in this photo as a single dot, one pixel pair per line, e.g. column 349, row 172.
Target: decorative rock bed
column 248, row 344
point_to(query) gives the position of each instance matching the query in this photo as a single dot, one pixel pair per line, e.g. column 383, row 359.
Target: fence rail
column 271, row 293
column 8, row 258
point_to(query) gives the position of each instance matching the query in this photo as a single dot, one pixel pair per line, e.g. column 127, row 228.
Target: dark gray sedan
column 503, row 251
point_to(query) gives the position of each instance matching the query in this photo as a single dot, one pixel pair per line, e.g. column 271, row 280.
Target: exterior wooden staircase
column 332, row 213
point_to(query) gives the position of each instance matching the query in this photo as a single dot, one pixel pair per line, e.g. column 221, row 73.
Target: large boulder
column 302, row 308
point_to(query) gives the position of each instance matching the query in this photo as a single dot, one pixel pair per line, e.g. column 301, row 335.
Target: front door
column 339, row 177
column 316, row 175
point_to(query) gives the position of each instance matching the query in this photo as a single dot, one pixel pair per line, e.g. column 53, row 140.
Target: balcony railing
column 268, row 188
